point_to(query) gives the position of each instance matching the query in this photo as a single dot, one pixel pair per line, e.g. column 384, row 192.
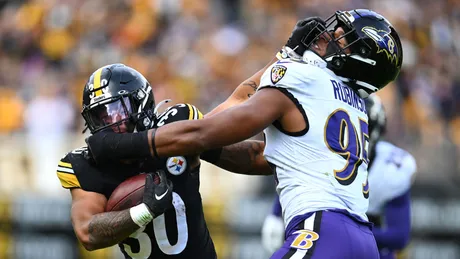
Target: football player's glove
column 158, row 197
column 305, row 30
column 272, row 233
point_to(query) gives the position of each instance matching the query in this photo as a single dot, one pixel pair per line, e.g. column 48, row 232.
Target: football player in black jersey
column 117, row 98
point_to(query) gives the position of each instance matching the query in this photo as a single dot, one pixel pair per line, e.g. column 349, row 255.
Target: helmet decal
column 384, row 41
column 97, row 81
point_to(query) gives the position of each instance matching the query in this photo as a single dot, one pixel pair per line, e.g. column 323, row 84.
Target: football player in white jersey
column 391, row 173
column 314, row 119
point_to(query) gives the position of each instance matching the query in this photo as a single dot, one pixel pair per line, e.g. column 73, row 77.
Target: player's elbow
column 88, row 246
column 84, row 238
column 83, row 235
column 401, row 241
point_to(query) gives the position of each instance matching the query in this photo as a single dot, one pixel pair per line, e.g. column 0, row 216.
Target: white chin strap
column 287, row 52
column 362, row 93
column 354, row 56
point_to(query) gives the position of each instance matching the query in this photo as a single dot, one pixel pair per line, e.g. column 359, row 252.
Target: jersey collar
column 313, row 59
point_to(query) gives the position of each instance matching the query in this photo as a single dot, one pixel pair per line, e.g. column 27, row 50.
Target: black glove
column 304, row 32
column 158, row 197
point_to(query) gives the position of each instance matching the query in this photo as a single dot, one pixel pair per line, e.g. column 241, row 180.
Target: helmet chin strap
column 85, row 129
column 362, row 92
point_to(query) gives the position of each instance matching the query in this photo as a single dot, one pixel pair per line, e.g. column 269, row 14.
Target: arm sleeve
column 276, row 210
column 106, row 146
column 396, row 234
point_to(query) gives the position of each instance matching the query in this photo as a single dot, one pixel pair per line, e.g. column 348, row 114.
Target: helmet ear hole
column 337, row 63
column 364, row 52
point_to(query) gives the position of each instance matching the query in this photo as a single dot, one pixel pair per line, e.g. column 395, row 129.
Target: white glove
column 272, row 233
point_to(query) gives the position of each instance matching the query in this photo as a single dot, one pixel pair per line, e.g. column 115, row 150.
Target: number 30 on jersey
column 144, row 243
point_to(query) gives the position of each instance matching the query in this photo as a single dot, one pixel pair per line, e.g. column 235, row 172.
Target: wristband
column 141, row 215
column 154, row 147
column 212, row 155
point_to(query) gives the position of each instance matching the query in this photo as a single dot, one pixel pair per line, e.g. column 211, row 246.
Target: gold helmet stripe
column 97, row 81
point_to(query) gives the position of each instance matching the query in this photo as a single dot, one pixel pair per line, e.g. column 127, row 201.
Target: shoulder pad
column 65, row 171
column 179, row 112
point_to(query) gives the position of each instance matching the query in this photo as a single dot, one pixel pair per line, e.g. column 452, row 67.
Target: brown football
column 128, row 194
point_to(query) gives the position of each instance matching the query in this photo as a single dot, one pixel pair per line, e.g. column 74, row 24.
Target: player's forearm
column 194, row 137
column 109, row 228
column 244, row 158
column 106, row 146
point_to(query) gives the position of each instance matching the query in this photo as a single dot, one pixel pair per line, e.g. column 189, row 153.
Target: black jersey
column 181, row 232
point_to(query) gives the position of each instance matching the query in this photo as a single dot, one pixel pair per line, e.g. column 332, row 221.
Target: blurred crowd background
column 198, row 51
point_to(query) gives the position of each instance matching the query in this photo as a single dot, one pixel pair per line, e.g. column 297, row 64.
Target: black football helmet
column 118, row 98
column 375, row 56
column 377, row 119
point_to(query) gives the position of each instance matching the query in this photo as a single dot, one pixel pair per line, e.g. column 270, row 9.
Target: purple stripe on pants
column 327, row 234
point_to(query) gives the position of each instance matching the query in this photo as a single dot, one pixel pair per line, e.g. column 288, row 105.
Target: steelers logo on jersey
column 176, row 165
column 278, row 72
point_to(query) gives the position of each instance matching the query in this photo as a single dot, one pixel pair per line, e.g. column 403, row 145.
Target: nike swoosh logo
column 161, row 196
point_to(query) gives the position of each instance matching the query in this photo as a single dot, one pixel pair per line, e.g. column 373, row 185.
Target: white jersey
column 326, row 166
column 390, row 175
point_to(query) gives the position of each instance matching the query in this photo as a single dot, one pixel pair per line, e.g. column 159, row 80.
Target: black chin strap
column 85, row 129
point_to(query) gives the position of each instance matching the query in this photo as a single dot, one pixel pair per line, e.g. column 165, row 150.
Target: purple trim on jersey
column 283, row 62
column 276, row 210
column 336, row 235
column 396, row 233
